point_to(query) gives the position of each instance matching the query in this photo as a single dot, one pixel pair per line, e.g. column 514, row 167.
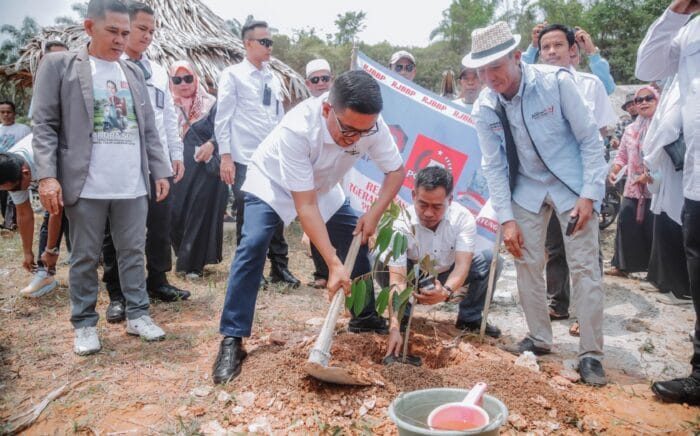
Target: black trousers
column 44, row 235
column 278, row 251
column 691, row 239
column 158, row 251
column 8, row 210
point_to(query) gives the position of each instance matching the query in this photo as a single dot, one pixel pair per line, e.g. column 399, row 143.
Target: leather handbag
column 676, row 151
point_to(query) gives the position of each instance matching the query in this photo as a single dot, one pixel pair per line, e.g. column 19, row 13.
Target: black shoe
column 525, row 345
column 285, row 276
column 679, row 390
column 168, row 293
column 475, row 327
column 229, row 360
column 371, row 324
column 116, row 311
column 554, row 316
column 592, row 372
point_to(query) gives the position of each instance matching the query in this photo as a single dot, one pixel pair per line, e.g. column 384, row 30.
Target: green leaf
column 384, row 238
column 406, row 294
column 382, row 301
column 396, row 246
column 360, row 298
column 351, row 299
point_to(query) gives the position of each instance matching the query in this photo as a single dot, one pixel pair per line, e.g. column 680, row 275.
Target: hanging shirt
column 300, row 155
column 115, row 162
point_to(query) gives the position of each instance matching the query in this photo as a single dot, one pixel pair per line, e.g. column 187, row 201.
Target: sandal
column 318, row 284
column 554, row 316
column 575, row 328
column 615, row 272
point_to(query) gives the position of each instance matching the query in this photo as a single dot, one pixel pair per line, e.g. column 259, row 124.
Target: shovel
column 320, row 356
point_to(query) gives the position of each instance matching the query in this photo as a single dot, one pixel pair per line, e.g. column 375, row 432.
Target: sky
column 399, row 22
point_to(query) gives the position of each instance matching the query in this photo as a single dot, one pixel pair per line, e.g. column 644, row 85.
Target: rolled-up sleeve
column 384, row 152
column 493, row 161
column 225, row 109
column 659, row 53
column 586, row 133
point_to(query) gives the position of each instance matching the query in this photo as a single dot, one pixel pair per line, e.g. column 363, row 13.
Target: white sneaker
column 86, row 341
column 41, row 284
column 146, row 328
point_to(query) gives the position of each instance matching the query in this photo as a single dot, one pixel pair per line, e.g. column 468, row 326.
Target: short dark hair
column 570, row 35
column 433, row 177
column 10, row 168
column 9, row 103
column 358, row 91
column 251, row 25
column 51, row 44
column 136, row 7
column 98, row 8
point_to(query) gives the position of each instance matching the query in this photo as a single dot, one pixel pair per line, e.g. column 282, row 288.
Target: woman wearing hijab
column 635, row 223
column 200, row 197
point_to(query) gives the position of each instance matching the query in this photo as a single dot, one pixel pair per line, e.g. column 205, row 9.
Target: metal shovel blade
column 320, row 356
column 334, row 374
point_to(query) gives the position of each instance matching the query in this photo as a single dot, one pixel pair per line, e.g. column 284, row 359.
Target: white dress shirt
column 669, row 48
column 456, row 233
column 163, row 108
column 594, row 93
column 242, row 120
column 300, row 155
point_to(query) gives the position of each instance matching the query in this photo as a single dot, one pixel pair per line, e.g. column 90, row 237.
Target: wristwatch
column 53, row 251
column 449, row 296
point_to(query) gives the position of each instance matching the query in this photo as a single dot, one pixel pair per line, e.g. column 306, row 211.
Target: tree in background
column 349, row 25
column 17, row 38
column 460, row 18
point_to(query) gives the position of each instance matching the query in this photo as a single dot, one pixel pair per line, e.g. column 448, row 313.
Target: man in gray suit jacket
column 95, row 143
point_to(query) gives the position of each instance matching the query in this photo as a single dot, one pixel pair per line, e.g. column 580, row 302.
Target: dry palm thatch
column 186, row 30
column 447, row 87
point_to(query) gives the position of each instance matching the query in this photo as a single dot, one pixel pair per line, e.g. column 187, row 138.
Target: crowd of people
column 133, row 159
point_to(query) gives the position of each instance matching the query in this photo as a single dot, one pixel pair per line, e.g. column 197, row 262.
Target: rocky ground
column 132, row 387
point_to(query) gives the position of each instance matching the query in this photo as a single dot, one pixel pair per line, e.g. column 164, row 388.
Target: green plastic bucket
column 410, row 411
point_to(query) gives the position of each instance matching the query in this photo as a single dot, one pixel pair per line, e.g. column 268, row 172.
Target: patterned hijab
column 197, row 105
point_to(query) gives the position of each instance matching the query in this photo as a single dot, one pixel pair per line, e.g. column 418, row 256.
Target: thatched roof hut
column 185, row 30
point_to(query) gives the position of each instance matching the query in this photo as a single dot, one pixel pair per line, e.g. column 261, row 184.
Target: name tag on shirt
column 160, row 99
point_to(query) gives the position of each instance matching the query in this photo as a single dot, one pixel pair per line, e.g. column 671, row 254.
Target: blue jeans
column 259, row 224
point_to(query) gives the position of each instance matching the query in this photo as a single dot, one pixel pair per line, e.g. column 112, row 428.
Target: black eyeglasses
column 649, row 98
column 317, row 79
column 266, row 42
column 187, row 79
column 349, row 132
column 407, row 67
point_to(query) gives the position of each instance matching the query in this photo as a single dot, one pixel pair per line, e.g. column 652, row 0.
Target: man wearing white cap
column 318, row 77
column 403, row 63
column 542, row 154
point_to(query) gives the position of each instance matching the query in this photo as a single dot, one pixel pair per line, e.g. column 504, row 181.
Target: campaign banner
column 428, row 130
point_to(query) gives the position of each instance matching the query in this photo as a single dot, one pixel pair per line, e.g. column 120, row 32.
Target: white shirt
column 163, row 108
column 23, row 149
column 115, row 162
column 10, row 135
column 594, row 93
column 456, row 233
column 670, row 48
column 300, row 155
column 242, row 120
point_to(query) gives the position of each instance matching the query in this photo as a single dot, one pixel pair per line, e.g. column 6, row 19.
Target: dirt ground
column 133, row 387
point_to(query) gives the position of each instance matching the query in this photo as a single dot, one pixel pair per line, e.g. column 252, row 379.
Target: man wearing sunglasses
column 404, row 64
column 318, row 77
column 296, row 171
column 158, row 245
column 250, row 105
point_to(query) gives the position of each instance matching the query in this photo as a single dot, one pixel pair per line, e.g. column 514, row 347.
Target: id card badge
column 267, row 96
column 160, row 99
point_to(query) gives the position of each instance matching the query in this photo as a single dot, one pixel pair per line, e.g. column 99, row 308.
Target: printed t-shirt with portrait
column 115, row 162
column 10, row 135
